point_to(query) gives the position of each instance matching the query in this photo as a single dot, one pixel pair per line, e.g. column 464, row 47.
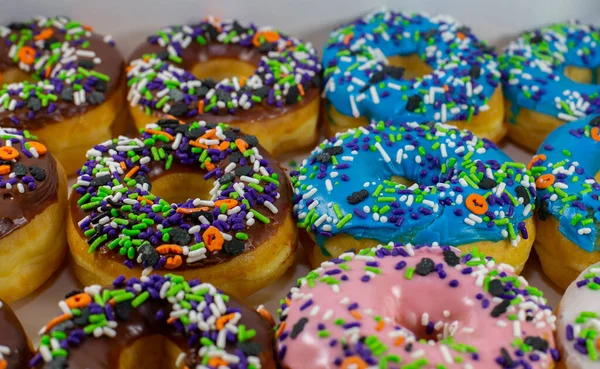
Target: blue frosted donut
column 361, row 83
column 568, row 198
column 466, row 190
column 535, row 70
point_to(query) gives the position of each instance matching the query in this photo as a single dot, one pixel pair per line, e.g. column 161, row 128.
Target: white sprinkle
column 271, row 207
column 384, row 154
column 328, row 185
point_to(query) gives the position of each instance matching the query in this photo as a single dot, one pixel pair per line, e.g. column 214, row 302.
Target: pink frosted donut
column 415, row 308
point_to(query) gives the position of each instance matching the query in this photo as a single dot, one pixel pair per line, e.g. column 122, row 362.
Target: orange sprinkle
column 231, row 203
column 47, row 71
column 155, row 132
column 201, row 107
column 171, row 320
column 44, row 35
column 78, row 301
column 544, row 181
column 26, row 55
column 224, row 145
column 140, row 199
column 198, row 144
column 243, row 80
column 8, row 153
column 173, row 262
column 477, row 204
column 56, row 321
column 301, row 89
column 169, row 249
column 356, row 314
column 271, row 36
column 40, row 148
column 598, row 343
column 3, row 364
column 241, row 145
column 210, row 134
column 213, row 239
column 87, row 28
column 288, row 302
column 535, row 158
column 460, row 35
column 380, row 325
column 4, row 169
column 595, row 133
column 265, row 314
column 210, row 166
column 223, row 320
column 446, row 88
column 132, row 171
column 216, row 362
column 348, row 38
column 280, row 329
column 189, row 210
column 123, row 166
column 399, row 341
column 354, row 362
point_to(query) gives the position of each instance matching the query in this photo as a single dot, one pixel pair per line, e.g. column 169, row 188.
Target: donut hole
column 413, row 65
column 15, row 75
column 150, row 352
column 177, row 187
column 403, row 180
column 220, row 68
column 581, row 74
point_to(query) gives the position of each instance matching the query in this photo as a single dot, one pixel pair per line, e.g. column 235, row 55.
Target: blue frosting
column 344, row 187
column 533, row 69
column 568, row 159
column 360, row 83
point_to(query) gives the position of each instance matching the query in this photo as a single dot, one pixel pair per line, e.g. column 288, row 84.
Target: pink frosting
column 396, row 311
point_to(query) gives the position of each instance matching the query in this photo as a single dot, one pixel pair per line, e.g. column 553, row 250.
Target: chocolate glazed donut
column 15, row 349
column 63, row 82
column 266, row 83
column 33, row 196
column 155, row 322
column 226, row 218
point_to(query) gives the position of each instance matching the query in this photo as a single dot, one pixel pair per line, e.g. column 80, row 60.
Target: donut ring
column 392, row 65
column 467, row 193
column 236, row 231
column 274, row 96
column 63, row 81
column 369, row 311
column 578, row 321
column 566, row 170
column 546, row 75
column 15, row 347
column 33, row 197
column 198, row 326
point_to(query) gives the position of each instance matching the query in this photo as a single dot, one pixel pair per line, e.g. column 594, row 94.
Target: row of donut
column 386, row 65
column 242, row 234
column 357, row 311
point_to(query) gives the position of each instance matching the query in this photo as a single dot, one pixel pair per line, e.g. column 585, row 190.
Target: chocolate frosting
column 18, row 209
column 27, row 115
column 13, row 337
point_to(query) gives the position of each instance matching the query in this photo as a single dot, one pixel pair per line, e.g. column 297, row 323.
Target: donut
column 62, row 82
column 475, row 313
column 226, row 218
column 418, row 183
column 565, row 167
column 15, row 348
column 548, row 77
column 577, row 323
column 151, row 322
column 33, row 199
column 265, row 82
column 413, row 67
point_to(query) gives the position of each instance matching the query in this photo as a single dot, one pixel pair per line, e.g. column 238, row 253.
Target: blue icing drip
column 533, row 70
column 448, row 166
column 572, row 157
column 354, row 69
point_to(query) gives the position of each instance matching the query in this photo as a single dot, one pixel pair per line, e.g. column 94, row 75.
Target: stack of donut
column 417, row 228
